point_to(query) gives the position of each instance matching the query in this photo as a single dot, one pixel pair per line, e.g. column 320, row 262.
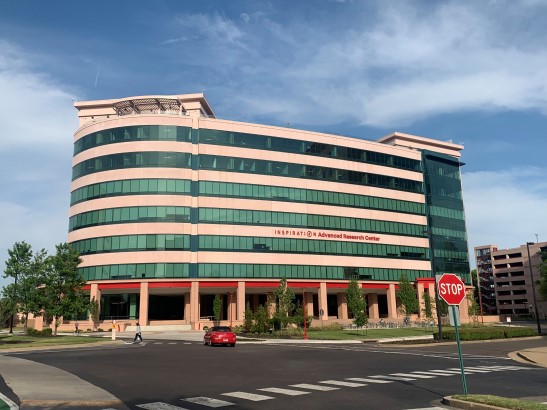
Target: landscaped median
column 416, row 334
column 482, row 401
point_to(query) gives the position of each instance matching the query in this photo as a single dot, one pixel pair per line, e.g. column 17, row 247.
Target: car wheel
column 232, row 345
column 204, row 342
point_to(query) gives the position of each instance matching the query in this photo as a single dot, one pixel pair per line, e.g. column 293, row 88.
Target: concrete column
column 308, row 303
column 143, row 309
column 194, row 305
column 420, row 291
column 342, row 306
column 323, row 299
column 39, row 323
column 271, row 304
column 240, row 301
column 391, row 302
column 373, row 306
column 464, row 308
column 187, row 308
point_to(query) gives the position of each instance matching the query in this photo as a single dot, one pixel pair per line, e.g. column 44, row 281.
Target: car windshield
column 220, row 329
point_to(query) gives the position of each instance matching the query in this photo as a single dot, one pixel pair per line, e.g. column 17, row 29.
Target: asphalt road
column 177, row 372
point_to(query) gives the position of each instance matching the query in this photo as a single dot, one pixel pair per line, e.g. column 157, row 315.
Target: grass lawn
column 367, row 334
column 14, row 341
column 504, row 403
column 330, row 334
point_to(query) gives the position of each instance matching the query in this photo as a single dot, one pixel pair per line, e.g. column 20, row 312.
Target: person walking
column 138, row 334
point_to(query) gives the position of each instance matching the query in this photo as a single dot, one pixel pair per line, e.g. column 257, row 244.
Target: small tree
column 63, row 284
column 217, row 307
column 262, row 320
column 284, row 302
column 94, row 312
column 6, row 311
column 473, row 309
column 25, row 295
column 428, row 306
column 248, row 319
column 407, row 294
column 357, row 303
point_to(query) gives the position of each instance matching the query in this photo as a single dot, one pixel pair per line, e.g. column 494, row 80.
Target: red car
column 219, row 335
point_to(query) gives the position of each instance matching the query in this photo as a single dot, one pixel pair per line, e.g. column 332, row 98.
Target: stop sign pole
column 452, row 291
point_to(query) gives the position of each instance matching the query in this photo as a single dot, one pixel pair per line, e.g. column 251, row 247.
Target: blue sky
column 474, row 72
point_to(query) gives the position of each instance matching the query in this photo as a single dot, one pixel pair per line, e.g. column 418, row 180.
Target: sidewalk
column 39, row 386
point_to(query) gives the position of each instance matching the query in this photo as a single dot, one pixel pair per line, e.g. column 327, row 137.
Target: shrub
column 238, row 329
column 39, row 333
column 206, row 328
column 519, row 332
column 100, row 330
column 488, row 333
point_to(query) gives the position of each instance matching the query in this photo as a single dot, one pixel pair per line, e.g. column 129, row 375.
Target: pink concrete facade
column 150, row 298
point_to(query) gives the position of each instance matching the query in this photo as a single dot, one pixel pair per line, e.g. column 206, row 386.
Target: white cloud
column 505, row 208
column 38, row 122
column 387, row 66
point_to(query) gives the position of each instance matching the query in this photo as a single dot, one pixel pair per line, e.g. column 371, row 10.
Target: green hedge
column 487, row 333
column 33, row 332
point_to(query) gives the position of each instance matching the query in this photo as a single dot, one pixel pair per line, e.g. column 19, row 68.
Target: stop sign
column 451, row 289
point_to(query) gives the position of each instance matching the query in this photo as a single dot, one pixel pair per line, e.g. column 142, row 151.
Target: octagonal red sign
column 451, row 289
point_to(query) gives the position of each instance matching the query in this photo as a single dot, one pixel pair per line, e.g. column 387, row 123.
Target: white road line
column 419, row 376
column 187, row 343
column 313, row 387
column 172, row 343
column 341, row 383
column 11, row 404
column 471, row 369
column 503, row 368
column 436, row 373
column 247, row 396
column 159, row 406
column 429, row 408
column 208, row 402
column 401, row 379
column 158, row 343
column 287, row 392
column 366, row 380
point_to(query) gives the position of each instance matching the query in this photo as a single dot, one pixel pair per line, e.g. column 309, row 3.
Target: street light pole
column 533, row 286
column 437, row 302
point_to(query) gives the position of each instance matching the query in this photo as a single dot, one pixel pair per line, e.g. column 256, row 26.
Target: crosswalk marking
column 366, row 380
column 206, row 401
column 471, row 370
column 436, row 373
column 159, row 406
column 247, row 396
column 344, row 384
column 313, row 387
column 418, row 376
column 401, row 379
column 329, row 385
column 287, row 392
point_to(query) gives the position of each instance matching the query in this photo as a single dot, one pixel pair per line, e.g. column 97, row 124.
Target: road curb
column 64, row 404
column 461, row 404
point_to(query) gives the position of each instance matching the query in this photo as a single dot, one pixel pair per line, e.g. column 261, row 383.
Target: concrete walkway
column 46, row 387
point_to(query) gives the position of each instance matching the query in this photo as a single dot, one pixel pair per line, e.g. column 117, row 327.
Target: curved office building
column 171, row 206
